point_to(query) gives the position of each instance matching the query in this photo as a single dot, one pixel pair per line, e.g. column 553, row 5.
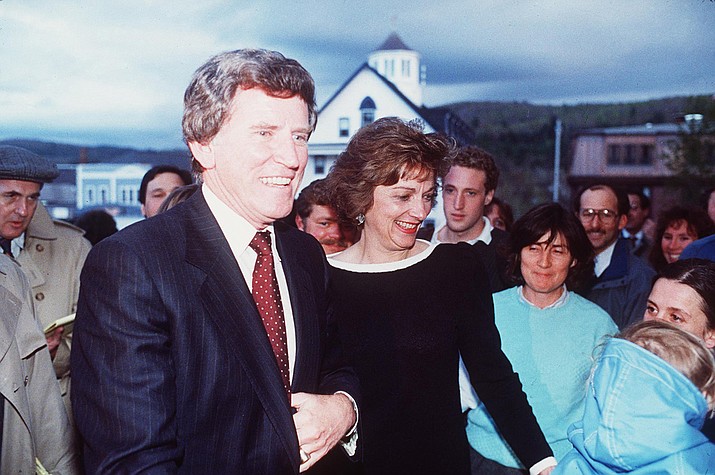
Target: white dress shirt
column 239, row 233
column 603, row 260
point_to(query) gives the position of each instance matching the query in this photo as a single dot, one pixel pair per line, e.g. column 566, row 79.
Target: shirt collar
column 603, row 260
column 236, row 229
column 627, row 235
column 560, row 302
column 17, row 245
column 485, row 236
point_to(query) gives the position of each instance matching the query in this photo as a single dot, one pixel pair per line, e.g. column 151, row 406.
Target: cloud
column 121, row 68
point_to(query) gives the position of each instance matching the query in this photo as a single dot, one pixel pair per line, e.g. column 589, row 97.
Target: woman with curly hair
column 407, row 309
column 677, row 227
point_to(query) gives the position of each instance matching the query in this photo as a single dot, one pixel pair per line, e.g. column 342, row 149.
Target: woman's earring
column 360, row 219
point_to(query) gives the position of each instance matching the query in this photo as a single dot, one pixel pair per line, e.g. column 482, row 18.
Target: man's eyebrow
column 303, row 130
column 264, row 125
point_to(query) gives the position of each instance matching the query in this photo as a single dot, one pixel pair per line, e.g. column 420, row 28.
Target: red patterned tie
column 268, row 302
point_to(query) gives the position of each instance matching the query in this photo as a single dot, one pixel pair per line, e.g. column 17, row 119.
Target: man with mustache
column 622, row 280
column 316, row 216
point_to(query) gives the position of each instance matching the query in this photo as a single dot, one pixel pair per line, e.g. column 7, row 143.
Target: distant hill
column 67, row 153
column 521, row 136
column 490, row 117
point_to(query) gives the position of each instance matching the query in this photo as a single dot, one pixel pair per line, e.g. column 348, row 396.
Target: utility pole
column 557, row 160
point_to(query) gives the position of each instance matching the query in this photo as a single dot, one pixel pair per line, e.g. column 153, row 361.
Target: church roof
column 393, row 42
column 441, row 119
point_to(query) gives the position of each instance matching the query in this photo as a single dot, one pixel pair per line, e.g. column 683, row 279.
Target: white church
column 390, row 83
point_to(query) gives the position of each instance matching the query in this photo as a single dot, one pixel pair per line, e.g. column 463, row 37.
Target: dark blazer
column 622, row 289
column 172, row 369
column 494, row 256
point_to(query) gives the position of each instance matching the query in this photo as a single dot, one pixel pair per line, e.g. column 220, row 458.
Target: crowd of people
column 245, row 328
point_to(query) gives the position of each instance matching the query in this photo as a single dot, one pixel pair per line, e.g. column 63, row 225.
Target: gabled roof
column 393, row 42
column 382, row 78
column 439, row 118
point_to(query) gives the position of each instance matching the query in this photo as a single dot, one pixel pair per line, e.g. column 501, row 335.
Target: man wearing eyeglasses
column 622, row 280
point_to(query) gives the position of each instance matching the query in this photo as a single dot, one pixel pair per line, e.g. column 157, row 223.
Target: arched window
column 367, row 111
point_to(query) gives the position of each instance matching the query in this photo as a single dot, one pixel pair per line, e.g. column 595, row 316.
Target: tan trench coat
column 35, row 422
column 52, row 259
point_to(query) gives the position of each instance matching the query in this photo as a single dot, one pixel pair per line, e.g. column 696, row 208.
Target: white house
column 111, row 185
column 390, row 83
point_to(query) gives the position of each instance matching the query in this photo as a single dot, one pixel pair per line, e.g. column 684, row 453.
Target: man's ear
column 299, row 222
column 622, row 221
column 709, row 338
column 143, row 210
column 203, row 154
column 488, row 197
column 573, row 263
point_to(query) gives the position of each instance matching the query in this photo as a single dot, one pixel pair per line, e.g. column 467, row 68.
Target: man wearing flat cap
column 50, row 253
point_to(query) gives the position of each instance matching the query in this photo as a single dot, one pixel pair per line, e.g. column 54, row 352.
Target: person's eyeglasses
column 606, row 216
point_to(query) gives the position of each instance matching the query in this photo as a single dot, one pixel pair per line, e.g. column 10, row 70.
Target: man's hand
column 320, row 421
column 547, row 470
column 53, row 341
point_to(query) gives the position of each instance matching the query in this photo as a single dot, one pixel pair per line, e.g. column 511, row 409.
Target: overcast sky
column 112, row 72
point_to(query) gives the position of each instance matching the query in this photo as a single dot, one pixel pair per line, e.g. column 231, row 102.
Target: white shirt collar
column 485, row 236
column 237, row 230
column 627, row 235
column 603, row 260
column 560, row 302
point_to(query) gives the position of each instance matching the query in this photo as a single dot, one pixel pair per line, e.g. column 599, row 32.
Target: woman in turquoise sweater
column 548, row 332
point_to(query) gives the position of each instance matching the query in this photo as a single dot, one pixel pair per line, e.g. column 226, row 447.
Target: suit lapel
column 305, row 314
column 229, row 303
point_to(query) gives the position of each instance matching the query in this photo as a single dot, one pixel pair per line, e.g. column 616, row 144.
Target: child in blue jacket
column 649, row 394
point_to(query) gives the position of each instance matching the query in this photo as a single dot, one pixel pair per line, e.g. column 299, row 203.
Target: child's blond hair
column 682, row 350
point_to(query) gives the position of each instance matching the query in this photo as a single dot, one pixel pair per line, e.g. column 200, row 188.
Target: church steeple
column 400, row 65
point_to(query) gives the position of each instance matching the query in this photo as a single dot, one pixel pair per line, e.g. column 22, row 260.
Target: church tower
column 401, row 66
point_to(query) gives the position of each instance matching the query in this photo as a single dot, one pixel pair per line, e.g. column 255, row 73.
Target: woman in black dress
column 406, row 310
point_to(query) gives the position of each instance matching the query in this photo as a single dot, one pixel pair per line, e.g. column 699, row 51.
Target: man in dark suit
column 638, row 220
column 177, row 369
column 469, row 180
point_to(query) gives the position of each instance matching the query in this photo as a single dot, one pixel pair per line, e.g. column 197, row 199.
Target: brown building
column 628, row 156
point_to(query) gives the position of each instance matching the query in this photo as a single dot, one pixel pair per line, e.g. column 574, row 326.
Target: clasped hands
column 320, row 422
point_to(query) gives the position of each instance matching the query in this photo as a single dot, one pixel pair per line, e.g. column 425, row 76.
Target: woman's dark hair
column 699, row 275
column 505, row 212
column 97, row 224
column 698, row 223
column 381, row 154
column 552, row 219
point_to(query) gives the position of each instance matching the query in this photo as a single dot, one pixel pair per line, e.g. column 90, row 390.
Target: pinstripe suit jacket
column 172, row 369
